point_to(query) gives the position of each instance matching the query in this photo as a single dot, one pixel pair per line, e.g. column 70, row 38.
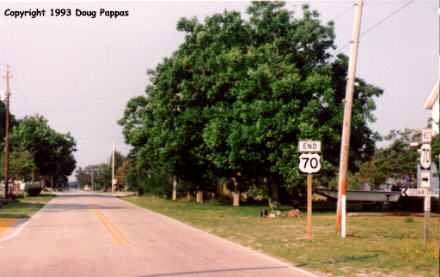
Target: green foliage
column 158, row 183
column 25, row 207
column 12, row 122
column 82, row 177
column 102, row 173
column 236, row 97
column 21, row 164
column 33, row 189
column 399, row 160
column 135, row 179
column 38, row 148
column 435, row 152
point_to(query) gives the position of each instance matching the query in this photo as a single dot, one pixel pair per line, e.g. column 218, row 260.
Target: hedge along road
column 85, row 234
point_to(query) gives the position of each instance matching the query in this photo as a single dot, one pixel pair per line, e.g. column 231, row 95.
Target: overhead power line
column 376, row 24
column 87, row 90
column 387, row 17
column 344, row 12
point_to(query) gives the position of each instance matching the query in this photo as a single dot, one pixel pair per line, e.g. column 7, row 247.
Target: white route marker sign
column 425, row 156
column 425, row 179
column 309, row 163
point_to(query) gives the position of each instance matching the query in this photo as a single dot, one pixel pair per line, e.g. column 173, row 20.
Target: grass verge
column 375, row 246
column 25, row 207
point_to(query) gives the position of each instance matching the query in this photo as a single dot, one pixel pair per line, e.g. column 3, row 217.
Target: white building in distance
column 432, row 103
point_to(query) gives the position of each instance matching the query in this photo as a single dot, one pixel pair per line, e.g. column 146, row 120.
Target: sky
column 79, row 72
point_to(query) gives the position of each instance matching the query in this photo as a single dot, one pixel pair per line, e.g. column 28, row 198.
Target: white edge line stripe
column 264, row 255
column 16, row 232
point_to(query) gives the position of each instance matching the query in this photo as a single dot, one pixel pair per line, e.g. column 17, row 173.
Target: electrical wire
column 344, row 12
column 337, row 51
column 20, row 92
column 387, row 17
column 86, row 91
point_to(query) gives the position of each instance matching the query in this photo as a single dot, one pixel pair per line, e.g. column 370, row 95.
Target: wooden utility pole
column 113, row 165
column 425, row 180
column 309, row 205
column 92, row 178
column 345, row 144
column 427, row 215
column 6, row 194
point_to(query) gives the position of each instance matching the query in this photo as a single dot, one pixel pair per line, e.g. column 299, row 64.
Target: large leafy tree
column 102, row 173
column 12, row 122
column 237, row 95
column 398, row 160
column 51, row 152
column 83, row 176
column 21, row 164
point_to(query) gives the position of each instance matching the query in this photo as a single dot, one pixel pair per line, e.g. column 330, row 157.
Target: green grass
column 378, row 246
column 25, row 207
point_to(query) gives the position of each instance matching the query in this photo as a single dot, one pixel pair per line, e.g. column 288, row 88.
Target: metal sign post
column 309, row 163
column 425, row 163
column 425, row 181
column 427, row 215
column 309, row 205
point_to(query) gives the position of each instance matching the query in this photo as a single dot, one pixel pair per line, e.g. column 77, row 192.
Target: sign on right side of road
column 425, row 156
column 425, row 179
column 309, row 163
column 420, row 192
column 309, row 146
column 426, row 136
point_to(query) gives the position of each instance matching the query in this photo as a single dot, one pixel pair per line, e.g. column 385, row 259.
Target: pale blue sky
column 80, row 72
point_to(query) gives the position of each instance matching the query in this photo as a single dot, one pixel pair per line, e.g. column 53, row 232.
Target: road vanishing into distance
column 90, row 234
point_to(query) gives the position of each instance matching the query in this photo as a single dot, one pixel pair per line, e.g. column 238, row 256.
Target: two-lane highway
column 87, row 234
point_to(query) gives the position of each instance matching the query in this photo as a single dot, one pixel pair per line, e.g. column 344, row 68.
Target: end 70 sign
column 309, row 163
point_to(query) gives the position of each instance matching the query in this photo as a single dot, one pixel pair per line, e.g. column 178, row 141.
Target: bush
column 33, row 189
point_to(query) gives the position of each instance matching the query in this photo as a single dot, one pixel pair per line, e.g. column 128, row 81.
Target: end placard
column 309, row 146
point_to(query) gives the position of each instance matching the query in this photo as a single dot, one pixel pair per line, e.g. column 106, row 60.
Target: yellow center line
column 114, row 227
column 109, row 226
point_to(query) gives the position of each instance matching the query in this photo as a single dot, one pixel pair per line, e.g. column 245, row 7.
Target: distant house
column 432, row 103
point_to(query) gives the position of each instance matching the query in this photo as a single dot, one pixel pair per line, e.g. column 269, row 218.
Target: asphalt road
column 85, row 234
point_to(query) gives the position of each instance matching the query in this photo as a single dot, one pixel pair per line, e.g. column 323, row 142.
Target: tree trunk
column 33, row 177
column 236, row 202
column 276, row 183
column 51, row 182
column 175, row 188
column 199, row 194
column 44, row 182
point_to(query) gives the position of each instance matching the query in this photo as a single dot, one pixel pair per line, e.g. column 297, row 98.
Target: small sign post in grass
column 425, row 182
column 309, row 163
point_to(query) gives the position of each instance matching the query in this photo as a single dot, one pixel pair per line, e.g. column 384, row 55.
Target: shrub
column 33, row 189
